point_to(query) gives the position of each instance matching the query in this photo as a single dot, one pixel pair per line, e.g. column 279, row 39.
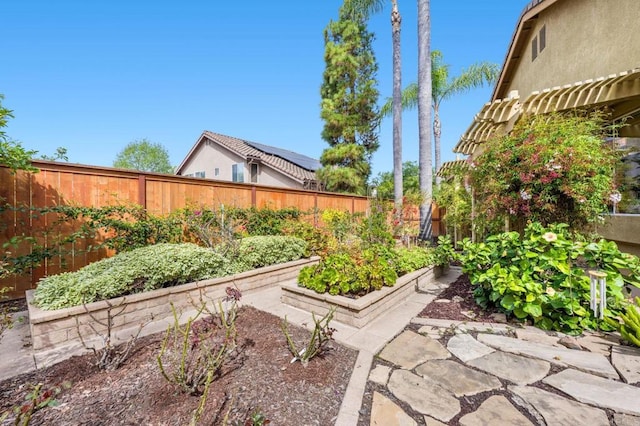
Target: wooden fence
column 80, row 185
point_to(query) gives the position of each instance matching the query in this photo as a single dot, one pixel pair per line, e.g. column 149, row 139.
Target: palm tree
column 372, row 6
column 424, row 117
column 444, row 87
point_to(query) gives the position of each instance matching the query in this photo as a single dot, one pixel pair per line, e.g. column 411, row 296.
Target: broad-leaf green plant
column 542, row 276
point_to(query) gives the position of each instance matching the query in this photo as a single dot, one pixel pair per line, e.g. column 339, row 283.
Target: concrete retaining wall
column 361, row 311
column 51, row 330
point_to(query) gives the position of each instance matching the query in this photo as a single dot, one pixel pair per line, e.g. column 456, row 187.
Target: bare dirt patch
column 260, row 378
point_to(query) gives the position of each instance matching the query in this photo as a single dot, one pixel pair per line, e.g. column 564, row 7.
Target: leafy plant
column 377, row 269
column 444, row 252
column 542, row 276
column 191, row 355
column 551, row 169
column 340, row 223
column 375, row 227
column 629, row 327
column 334, row 274
column 316, row 238
column 412, row 259
column 143, row 269
column 321, row 335
column 263, row 221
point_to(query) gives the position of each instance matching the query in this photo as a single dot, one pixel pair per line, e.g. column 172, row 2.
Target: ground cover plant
column 542, row 276
column 158, row 266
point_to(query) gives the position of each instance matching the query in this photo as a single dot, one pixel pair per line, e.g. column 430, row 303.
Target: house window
column 254, row 173
column 543, row 37
column 199, row 174
column 534, row 48
column 216, row 172
column 237, row 172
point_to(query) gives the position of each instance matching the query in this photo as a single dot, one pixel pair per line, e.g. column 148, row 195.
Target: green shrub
column 263, row 221
column 444, row 252
column 316, row 238
column 542, row 276
column 143, row 269
column 334, row 274
column 412, row 259
column 352, row 273
column 255, row 252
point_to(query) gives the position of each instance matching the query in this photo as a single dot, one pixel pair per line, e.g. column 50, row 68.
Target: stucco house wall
column 210, row 156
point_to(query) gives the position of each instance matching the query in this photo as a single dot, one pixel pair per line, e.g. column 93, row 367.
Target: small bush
column 412, row 259
column 143, row 269
column 352, row 273
column 263, row 221
column 255, row 252
column 316, row 238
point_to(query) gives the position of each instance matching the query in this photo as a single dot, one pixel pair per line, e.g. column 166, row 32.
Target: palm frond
column 477, row 75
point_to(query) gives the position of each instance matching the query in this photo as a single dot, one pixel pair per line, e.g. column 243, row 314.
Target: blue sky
column 92, row 76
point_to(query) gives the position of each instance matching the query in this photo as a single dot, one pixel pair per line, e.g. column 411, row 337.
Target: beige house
column 221, row 157
column 567, row 54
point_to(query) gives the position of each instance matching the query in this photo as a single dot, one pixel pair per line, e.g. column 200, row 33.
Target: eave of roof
column 620, row 92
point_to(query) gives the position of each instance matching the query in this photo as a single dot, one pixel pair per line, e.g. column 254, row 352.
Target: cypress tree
column 349, row 104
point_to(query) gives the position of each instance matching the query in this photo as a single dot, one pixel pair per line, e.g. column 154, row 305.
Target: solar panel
column 303, row 161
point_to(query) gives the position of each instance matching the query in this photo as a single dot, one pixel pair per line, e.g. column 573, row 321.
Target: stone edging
column 357, row 312
column 51, row 330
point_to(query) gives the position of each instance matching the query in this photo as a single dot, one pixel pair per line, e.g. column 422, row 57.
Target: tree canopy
column 12, row 153
column 348, row 108
column 145, row 156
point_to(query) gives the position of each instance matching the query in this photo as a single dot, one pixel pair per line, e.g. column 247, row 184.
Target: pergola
column 619, row 94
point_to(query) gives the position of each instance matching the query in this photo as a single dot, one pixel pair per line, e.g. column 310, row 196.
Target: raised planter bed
column 63, row 327
column 361, row 311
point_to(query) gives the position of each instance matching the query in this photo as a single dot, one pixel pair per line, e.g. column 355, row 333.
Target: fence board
column 90, row 186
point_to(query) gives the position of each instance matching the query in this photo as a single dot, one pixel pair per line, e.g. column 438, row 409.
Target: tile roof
column 245, row 149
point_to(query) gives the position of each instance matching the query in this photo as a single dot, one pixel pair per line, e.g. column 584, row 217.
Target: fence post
column 253, row 196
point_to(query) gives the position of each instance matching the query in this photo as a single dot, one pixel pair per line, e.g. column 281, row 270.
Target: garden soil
column 259, row 379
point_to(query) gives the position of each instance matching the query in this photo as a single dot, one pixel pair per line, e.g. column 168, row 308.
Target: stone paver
column 410, row 349
column 600, row 344
column 466, row 348
column 380, row 374
column 496, row 410
column 598, row 391
column 626, row 420
column 456, row 378
column 533, row 336
column 433, row 422
column 515, row 368
column 559, row 411
column 423, row 396
column 433, row 332
column 385, row 412
column 582, row 360
column 627, row 361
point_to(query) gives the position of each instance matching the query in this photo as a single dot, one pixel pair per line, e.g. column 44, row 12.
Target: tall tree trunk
column 397, row 110
column 424, row 117
column 437, row 131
